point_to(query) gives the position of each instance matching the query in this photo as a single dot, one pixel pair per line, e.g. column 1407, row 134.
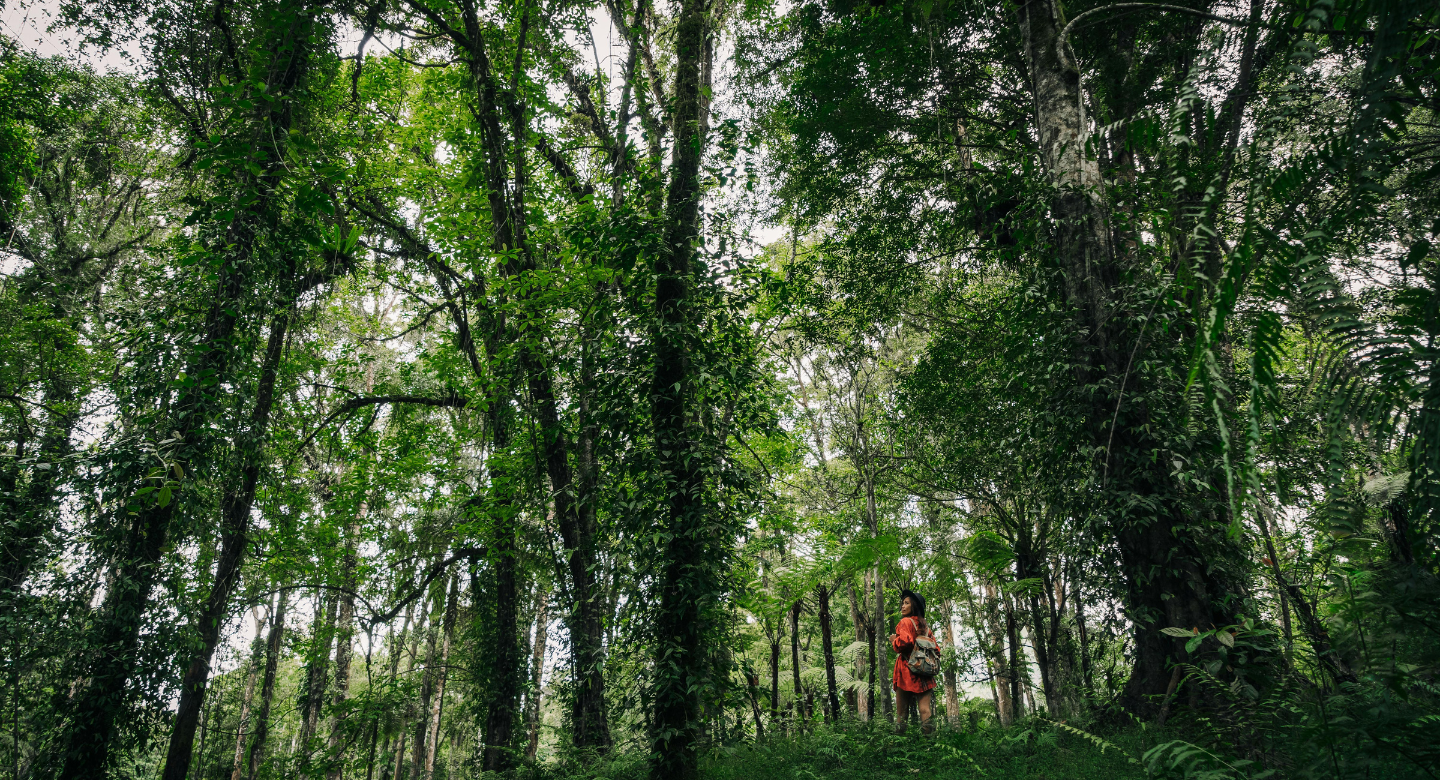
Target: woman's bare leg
column 925, row 704
column 902, row 709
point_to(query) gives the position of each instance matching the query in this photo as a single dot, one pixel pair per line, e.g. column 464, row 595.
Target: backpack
column 924, row 660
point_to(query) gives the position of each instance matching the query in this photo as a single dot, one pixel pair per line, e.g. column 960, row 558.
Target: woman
column 908, row 687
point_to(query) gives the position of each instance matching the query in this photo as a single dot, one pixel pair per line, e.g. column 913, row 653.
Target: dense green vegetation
column 426, row 389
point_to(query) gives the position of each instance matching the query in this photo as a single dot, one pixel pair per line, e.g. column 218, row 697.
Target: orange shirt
column 903, row 643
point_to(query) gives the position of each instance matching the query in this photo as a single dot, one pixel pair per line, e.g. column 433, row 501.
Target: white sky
column 29, row 22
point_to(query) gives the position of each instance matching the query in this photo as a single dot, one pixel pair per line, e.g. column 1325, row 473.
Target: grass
column 1031, row 751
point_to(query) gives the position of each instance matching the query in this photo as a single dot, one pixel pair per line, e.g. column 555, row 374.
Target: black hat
column 916, row 599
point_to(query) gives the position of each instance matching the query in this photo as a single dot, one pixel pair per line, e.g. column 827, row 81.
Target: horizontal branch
column 453, row 401
column 436, row 569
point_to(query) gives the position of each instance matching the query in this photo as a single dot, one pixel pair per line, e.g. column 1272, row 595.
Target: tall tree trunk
column 752, row 685
column 578, row 530
column 505, row 680
column 800, row 714
column 234, row 535
column 400, row 751
column 857, row 619
column 267, row 687
column 775, row 674
column 1084, row 631
column 1039, row 633
column 882, row 629
column 688, row 580
column 344, row 641
column 1017, row 660
column 537, row 674
column 832, row 693
column 427, row 691
column 317, row 671
column 437, row 707
column 952, row 695
column 114, row 634
column 995, row 650
column 1169, row 580
column 257, row 660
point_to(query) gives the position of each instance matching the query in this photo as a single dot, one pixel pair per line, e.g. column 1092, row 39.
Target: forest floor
column 1025, row 752
column 1035, row 750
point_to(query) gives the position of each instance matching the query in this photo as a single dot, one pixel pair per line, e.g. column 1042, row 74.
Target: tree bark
column 114, row 634
column 437, row 706
column 1017, row 658
column 344, row 641
column 427, row 692
column 267, row 687
column 752, row 685
column 688, row 580
column 317, row 672
column 775, row 674
column 832, row 693
column 800, row 714
column 995, row 650
column 857, row 619
column 257, row 659
column 537, row 674
column 234, row 535
column 1169, row 581
column 952, row 696
column 505, row 681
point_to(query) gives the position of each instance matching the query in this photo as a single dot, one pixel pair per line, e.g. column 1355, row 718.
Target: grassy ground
column 1038, row 752
column 1033, row 750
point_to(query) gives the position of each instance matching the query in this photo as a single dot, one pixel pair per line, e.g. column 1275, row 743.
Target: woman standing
column 910, row 688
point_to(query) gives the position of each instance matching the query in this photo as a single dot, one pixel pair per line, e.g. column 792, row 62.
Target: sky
column 29, row 24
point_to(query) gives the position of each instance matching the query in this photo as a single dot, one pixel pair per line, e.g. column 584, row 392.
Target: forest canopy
column 429, row 389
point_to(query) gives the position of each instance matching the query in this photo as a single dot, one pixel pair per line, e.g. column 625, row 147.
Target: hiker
column 911, row 687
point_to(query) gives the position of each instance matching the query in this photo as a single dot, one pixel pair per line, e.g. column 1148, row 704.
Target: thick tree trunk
column 688, row 580
column 505, row 680
column 537, row 674
column 578, row 530
column 832, row 693
column 1169, row 581
column 267, row 687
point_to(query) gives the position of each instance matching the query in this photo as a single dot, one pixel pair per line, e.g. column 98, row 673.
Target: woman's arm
column 903, row 640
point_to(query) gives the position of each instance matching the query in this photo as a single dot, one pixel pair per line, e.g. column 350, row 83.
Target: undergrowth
column 1035, row 749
